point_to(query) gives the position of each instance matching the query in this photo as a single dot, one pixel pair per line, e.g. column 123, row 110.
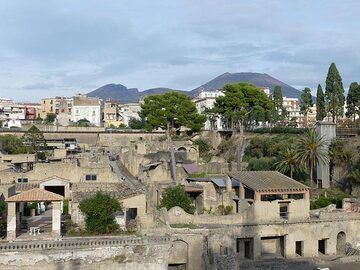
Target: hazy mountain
column 159, row 90
column 259, row 79
column 125, row 95
column 116, row 91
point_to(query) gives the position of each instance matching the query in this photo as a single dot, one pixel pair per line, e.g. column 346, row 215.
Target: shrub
column 99, row 213
column 262, row 164
column 276, row 130
column 176, row 196
column 66, row 207
column 204, row 148
column 2, row 207
column 136, row 123
column 225, row 210
column 225, row 146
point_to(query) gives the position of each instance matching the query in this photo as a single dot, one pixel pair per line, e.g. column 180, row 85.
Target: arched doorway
column 178, row 255
column 340, row 243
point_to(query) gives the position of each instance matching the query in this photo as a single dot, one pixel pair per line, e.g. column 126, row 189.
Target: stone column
column 56, row 218
column 257, row 248
column 11, row 221
column 241, row 191
column 327, row 131
column 228, row 184
column 257, row 196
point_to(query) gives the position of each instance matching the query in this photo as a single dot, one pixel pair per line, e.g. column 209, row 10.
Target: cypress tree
column 320, row 104
column 278, row 97
column 353, row 101
column 306, row 102
column 334, row 92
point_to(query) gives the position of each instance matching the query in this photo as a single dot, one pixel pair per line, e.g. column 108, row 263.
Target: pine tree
column 305, row 103
column 353, row 101
column 334, row 92
column 320, row 104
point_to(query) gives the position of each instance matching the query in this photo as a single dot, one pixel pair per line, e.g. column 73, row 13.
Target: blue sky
column 61, row 47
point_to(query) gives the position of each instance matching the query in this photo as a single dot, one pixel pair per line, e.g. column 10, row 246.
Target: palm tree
column 312, row 149
column 288, row 162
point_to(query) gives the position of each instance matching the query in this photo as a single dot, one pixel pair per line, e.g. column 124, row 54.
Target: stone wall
column 110, row 253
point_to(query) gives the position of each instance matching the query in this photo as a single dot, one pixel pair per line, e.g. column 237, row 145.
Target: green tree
column 278, row 98
column 320, row 104
column 334, row 93
column 353, row 101
column 243, row 105
column 311, row 149
column 305, row 103
column 280, row 113
column 34, row 139
column 262, row 164
column 83, row 123
column 50, row 118
column 136, row 123
column 11, row 144
column 288, row 162
column 169, row 111
column 99, row 213
column 176, row 196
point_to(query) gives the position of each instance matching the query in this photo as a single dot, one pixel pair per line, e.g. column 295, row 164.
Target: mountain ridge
column 126, row 95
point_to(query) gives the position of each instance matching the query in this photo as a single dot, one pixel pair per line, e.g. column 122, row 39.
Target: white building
column 11, row 113
column 88, row 108
column 292, row 106
column 206, row 100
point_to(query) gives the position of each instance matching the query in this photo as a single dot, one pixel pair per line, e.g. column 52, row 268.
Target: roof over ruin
column 118, row 190
column 268, row 181
column 35, row 195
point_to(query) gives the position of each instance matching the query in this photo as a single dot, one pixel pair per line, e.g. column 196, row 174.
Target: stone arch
column 182, row 149
column 340, row 242
column 178, row 258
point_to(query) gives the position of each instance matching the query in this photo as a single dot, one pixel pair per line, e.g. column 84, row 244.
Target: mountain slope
column 126, row 95
column 116, row 91
column 259, row 79
column 159, row 90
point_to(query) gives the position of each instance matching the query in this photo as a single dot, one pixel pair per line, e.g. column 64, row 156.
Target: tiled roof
column 25, row 186
column 35, row 195
column 191, row 168
column 268, row 181
column 119, row 190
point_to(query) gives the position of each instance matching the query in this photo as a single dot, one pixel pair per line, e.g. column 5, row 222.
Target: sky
column 61, row 47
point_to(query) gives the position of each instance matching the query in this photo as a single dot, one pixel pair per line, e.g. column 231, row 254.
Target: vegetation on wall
column 204, row 148
column 99, row 213
column 176, row 196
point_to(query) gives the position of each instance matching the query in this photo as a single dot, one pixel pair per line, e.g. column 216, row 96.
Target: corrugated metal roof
column 268, row 181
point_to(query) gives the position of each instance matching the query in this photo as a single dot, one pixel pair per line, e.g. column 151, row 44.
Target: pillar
column 241, row 191
column 257, row 196
column 228, row 184
column 257, row 248
column 56, row 218
column 327, row 131
column 11, row 221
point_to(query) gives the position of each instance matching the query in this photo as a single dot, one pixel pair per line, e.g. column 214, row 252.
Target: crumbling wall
column 110, row 253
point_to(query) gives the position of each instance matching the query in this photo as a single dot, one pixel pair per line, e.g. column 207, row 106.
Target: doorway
column 340, row 243
column 322, row 246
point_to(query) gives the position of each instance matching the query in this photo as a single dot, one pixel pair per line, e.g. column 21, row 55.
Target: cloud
column 63, row 47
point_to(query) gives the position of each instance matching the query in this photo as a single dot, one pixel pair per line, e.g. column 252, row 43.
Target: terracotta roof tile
column 268, row 181
column 35, row 195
